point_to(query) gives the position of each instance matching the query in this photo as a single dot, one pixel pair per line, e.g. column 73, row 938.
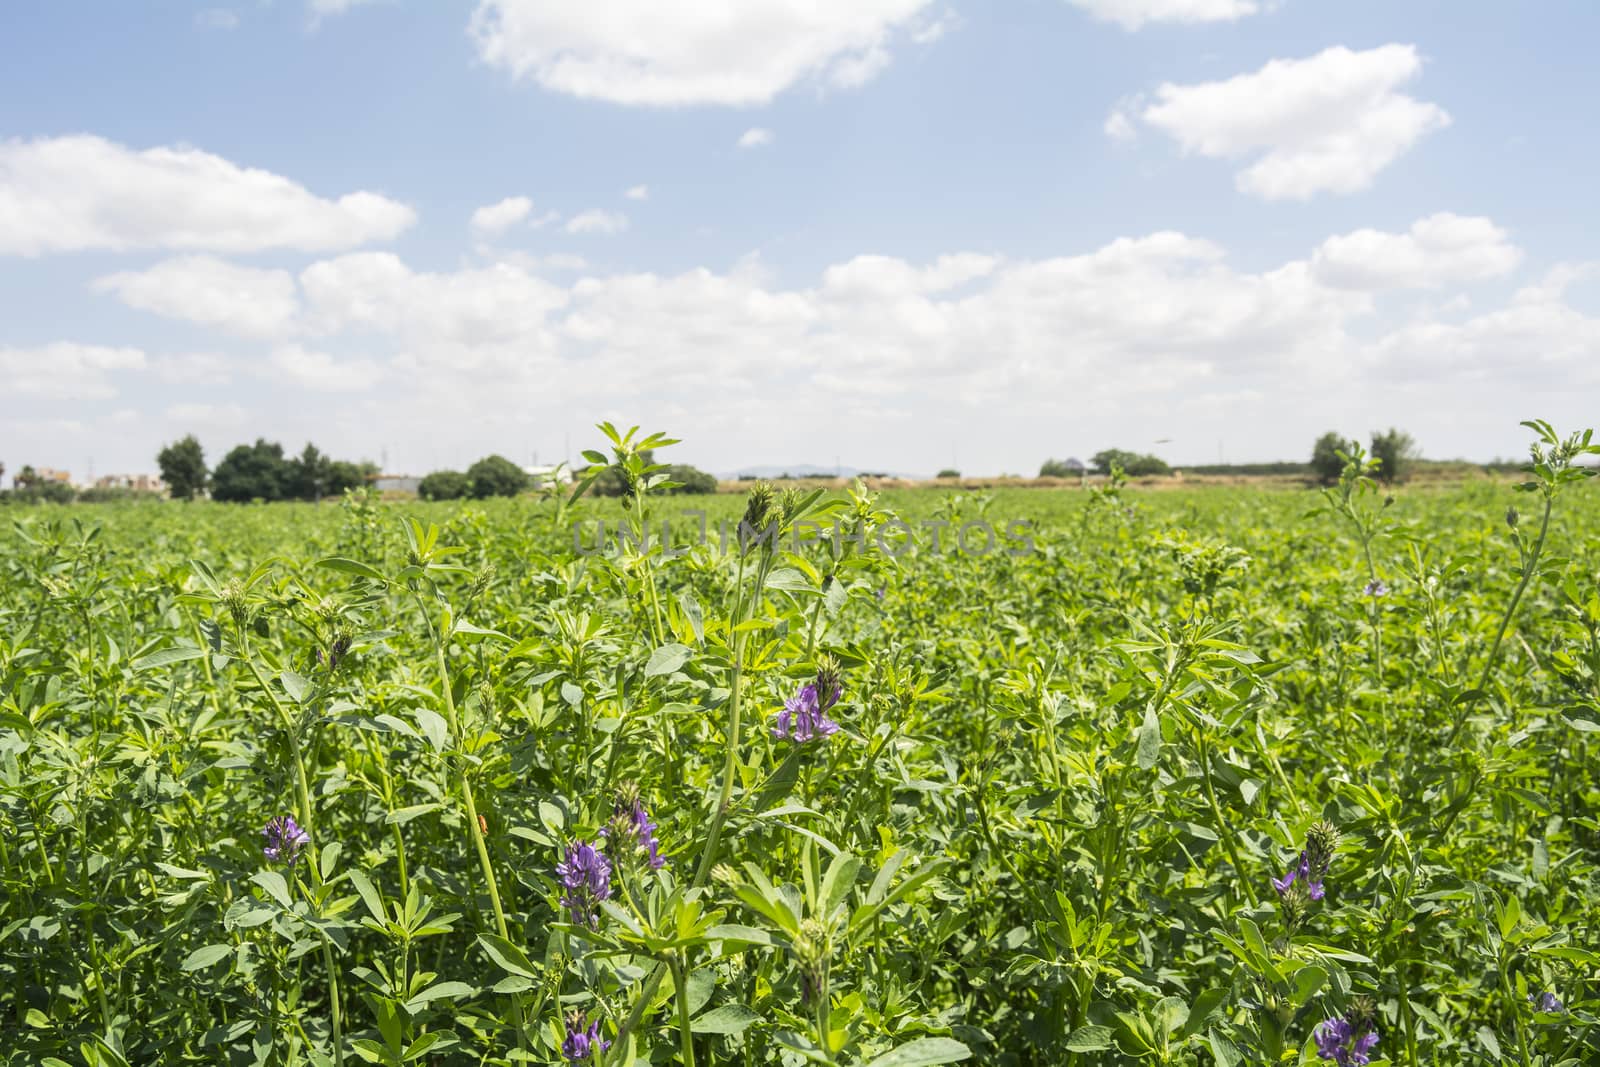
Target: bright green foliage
column 1045, row 833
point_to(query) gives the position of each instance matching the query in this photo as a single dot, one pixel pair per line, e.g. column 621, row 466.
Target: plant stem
column 1529, row 566
column 680, row 993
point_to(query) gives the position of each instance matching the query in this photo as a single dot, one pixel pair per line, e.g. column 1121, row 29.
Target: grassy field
column 1211, row 775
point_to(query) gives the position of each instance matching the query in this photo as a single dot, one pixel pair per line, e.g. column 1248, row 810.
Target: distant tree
column 183, row 468
column 444, row 485
column 308, row 474
column 1060, row 468
column 253, row 472
column 1394, row 451
column 1133, row 464
column 691, row 480
column 496, row 476
column 948, row 472
column 1326, row 462
column 26, row 478
column 342, row 475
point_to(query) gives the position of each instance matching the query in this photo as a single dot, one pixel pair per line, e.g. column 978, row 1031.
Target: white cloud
column 1440, row 250
column 596, row 220
column 691, row 52
column 638, row 192
column 216, row 18
column 463, row 316
column 1325, row 124
column 1537, row 334
column 66, row 370
column 755, row 137
column 1132, row 14
column 80, row 192
column 193, row 368
column 210, row 291
column 1119, row 127
column 496, row 218
column 218, row 415
column 321, row 9
column 319, row 372
column 927, row 31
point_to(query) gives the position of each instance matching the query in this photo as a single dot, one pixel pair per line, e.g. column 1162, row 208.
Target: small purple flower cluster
column 1345, row 1042
column 582, row 1041
column 585, row 874
column 1311, row 868
column 644, row 832
column 284, row 840
column 1546, row 1002
column 805, row 715
column 1375, row 588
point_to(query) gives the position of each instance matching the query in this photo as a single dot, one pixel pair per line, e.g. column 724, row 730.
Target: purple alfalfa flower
column 644, row 832
column 1301, row 870
column 1349, row 1044
column 1311, row 869
column 582, row 1041
column 805, row 715
column 1546, row 1002
column 803, row 719
column 284, row 840
column 1375, row 588
column 585, row 874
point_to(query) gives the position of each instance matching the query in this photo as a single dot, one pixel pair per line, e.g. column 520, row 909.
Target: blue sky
column 980, row 234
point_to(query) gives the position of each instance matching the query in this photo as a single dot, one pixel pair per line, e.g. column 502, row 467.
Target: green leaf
column 201, row 958
column 1149, row 739
column 1089, row 1039
column 924, row 1050
column 274, row 884
column 728, row 1019
column 1223, row 1051
column 351, row 566
column 508, row 956
column 167, row 656
column 1491, row 1044
column 439, row 990
column 666, row 659
column 779, row 784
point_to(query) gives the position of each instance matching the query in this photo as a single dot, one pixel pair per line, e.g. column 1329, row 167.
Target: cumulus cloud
column 692, row 52
column 1132, row 14
column 66, row 370
column 755, row 137
column 596, row 220
column 319, row 372
column 496, row 218
column 638, row 192
column 1325, row 124
column 193, row 368
column 210, row 291
column 68, row 194
column 1442, row 249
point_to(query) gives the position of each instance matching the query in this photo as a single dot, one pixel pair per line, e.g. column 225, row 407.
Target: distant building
column 50, row 474
column 397, row 483
column 139, row 483
column 543, row 475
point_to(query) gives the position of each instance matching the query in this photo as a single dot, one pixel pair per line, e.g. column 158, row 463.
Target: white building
column 543, row 475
